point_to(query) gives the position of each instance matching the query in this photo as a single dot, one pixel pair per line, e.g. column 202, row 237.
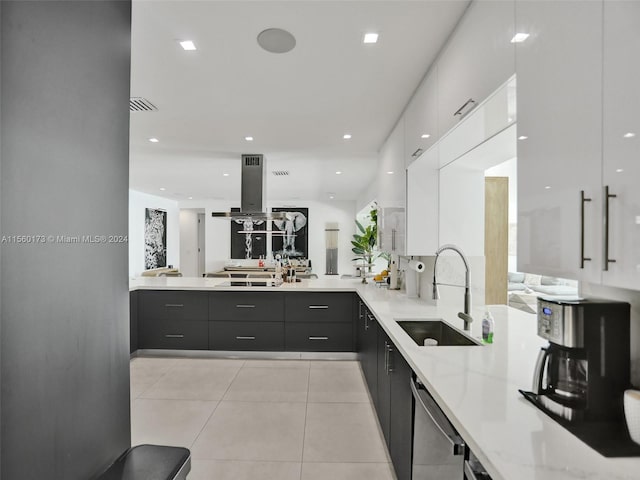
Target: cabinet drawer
column 174, row 334
column 232, row 335
column 173, row 305
column 314, row 307
column 246, row 306
column 319, row 337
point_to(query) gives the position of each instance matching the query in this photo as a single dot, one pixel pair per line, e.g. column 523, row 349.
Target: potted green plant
column 363, row 243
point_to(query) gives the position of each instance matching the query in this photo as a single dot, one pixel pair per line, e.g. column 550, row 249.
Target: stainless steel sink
column 438, row 329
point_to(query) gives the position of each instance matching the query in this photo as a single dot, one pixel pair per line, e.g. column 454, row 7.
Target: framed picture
column 244, row 244
column 290, row 236
column 155, row 238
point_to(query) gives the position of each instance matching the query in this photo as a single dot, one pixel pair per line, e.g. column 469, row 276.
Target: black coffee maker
column 581, row 375
column 583, row 372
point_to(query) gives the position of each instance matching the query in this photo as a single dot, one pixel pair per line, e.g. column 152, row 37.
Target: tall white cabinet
column 621, row 142
column 578, row 109
column 392, row 193
column 559, row 72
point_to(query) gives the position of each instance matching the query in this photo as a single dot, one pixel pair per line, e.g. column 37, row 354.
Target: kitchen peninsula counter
column 476, row 387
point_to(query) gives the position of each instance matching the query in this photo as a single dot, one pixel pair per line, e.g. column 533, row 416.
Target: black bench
column 150, row 462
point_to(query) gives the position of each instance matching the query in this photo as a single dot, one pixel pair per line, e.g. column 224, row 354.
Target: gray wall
column 64, row 311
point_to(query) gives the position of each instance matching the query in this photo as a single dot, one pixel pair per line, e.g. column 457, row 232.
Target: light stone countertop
column 476, row 387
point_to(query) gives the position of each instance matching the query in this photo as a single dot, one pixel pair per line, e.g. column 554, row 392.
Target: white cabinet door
column 421, row 118
column 391, row 181
column 391, row 226
column 478, row 58
column 422, row 204
column 621, row 141
column 559, row 72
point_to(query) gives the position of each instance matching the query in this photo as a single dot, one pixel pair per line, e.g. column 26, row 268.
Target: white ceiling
column 296, row 105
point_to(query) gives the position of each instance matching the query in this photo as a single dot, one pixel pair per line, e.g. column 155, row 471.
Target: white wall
column 189, row 242
column 218, row 242
column 138, row 202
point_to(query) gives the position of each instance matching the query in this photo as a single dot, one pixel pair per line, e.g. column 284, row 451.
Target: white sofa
column 525, row 288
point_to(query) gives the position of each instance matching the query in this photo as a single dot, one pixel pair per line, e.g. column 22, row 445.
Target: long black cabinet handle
column 583, row 200
column 607, row 260
column 245, row 338
column 318, row 307
column 175, row 305
column 172, row 335
column 471, row 102
column 318, row 338
column 245, row 306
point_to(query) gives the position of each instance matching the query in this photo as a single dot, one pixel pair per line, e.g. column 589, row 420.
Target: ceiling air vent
column 139, row 104
column 280, row 173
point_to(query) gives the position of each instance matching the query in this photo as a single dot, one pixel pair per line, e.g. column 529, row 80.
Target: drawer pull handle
column 175, row 305
column 318, row 307
column 174, row 336
column 318, row 338
column 245, row 338
column 245, row 306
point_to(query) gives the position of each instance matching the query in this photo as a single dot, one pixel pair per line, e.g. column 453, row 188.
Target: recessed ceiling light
column 249, row 139
column 370, row 38
column 548, row 187
column 331, row 197
column 389, row 173
column 425, row 135
column 276, row 40
column 190, row 198
column 225, row 174
column 188, row 45
column 346, row 136
column 522, row 137
column 519, row 37
column 629, row 135
column 162, row 189
column 154, row 140
column 619, row 170
column 338, row 173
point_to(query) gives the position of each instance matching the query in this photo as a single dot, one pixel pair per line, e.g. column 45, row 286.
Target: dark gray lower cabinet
column 319, row 337
column 173, row 334
column 133, row 321
column 388, row 378
column 401, row 416
column 173, row 319
column 368, row 349
column 248, row 336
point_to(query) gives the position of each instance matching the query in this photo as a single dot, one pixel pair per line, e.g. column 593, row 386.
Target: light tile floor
column 260, row 419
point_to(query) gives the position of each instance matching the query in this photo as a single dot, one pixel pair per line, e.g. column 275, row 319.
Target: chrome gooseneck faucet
column 466, row 315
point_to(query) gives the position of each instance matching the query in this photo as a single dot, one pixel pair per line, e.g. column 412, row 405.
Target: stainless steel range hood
column 252, row 192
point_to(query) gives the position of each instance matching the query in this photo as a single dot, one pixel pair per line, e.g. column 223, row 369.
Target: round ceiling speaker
column 276, row 40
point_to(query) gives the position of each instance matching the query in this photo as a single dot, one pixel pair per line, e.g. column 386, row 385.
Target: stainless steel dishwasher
column 439, row 453
column 438, row 450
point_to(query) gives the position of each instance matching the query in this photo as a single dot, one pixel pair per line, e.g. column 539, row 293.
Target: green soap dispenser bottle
column 487, row 327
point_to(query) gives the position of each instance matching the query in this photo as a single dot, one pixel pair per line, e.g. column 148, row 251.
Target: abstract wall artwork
column 290, row 236
column 247, row 245
column 155, row 238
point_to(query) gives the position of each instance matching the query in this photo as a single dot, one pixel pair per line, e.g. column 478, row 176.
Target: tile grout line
column 304, row 429
column 216, row 407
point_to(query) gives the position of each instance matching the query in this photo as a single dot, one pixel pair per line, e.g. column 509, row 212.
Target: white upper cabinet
column 422, row 204
column 421, row 118
column 392, row 192
column 621, row 141
column 478, row 58
column 559, row 74
column 391, row 181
